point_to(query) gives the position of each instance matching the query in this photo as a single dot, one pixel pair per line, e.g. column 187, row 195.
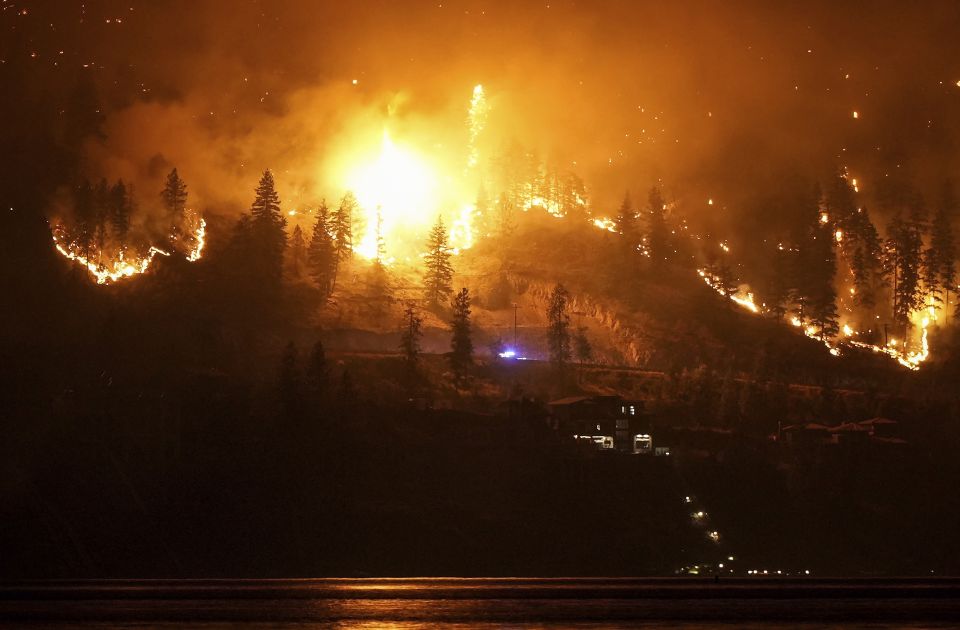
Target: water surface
column 482, row 603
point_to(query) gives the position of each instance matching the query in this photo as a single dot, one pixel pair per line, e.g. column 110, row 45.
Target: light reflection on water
column 481, row 603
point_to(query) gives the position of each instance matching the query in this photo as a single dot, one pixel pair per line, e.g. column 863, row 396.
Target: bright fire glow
column 476, row 120
column 606, row 224
column 741, row 297
column 201, row 237
column 401, row 185
column 111, row 270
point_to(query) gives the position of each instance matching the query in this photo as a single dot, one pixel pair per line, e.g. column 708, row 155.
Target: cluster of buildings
column 605, row 423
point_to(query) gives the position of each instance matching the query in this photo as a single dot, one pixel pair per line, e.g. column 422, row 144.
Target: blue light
column 508, row 354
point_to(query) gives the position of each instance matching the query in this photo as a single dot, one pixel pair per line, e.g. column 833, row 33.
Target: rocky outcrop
column 628, row 331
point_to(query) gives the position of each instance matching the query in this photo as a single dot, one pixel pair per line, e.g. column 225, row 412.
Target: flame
column 741, row 297
column 105, row 272
column 461, row 230
column 476, row 120
column 911, row 360
column 397, row 185
column 406, row 189
column 550, row 206
column 606, row 224
column 200, row 236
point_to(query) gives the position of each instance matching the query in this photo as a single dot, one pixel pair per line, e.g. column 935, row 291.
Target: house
column 805, row 435
column 850, row 433
column 609, row 423
column 882, row 427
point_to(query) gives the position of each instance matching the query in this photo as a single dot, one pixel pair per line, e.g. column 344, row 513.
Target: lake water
column 482, row 603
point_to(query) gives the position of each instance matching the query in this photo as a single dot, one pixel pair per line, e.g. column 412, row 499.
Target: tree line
column 105, row 225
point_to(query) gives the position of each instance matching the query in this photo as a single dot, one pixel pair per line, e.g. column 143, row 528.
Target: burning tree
column 83, row 210
column 558, row 329
column 100, row 238
column 121, row 206
column 174, row 196
column 865, row 264
column 438, row 277
column 379, row 283
column 822, row 295
column 903, row 264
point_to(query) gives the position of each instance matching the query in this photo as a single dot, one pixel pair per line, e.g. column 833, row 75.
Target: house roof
column 875, row 421
column 849, row 427
column 810, row 426
column 887, row 440
column 570, row 400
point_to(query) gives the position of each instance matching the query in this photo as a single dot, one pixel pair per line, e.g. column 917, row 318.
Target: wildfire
column 106, row 272
column 910, row 360
column 476, row 120
column 200, row 237
column 461, row 230
column 110, row 270
column 606, row 224
column 406, row 188
column 741, row 297
column 396, row 188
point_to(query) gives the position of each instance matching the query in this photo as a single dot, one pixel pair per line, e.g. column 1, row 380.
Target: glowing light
column 476, row 120
column 200, row 237
column 908, row 359
column 122, row 266
column 398, row 186
column 606, row 224
column 746, row 302
column 824, row 217
column 461, row 230
column 742, row 297
column 838, row 235
column 856, row 114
